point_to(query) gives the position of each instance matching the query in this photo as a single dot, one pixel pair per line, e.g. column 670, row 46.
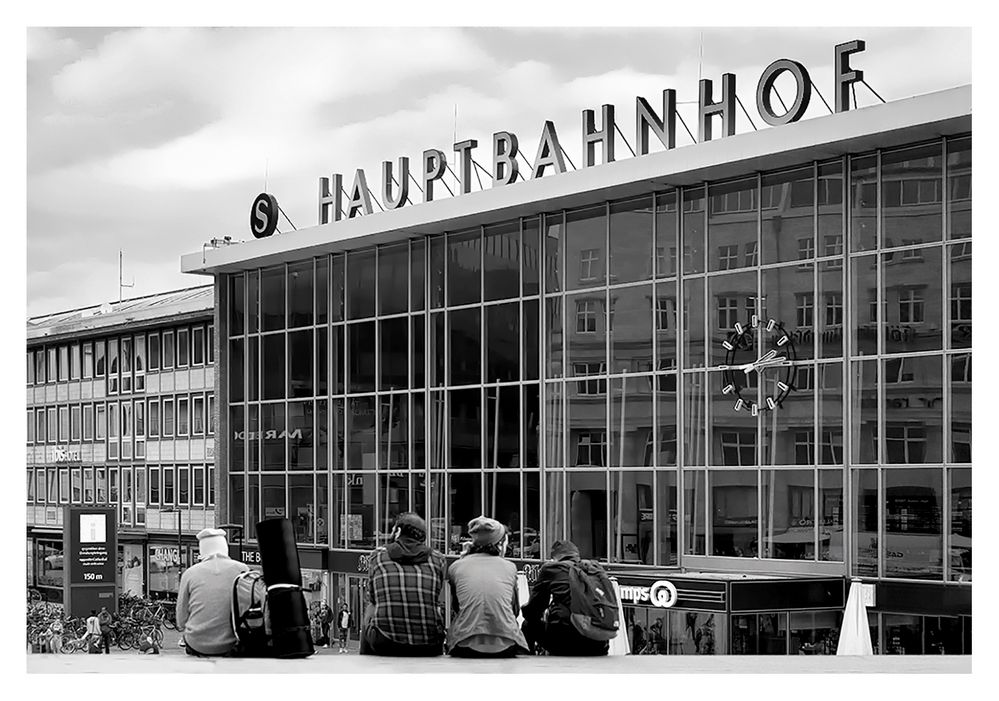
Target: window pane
column 361, row 426
column 960, row 525
column 587, row 328
column 587, row 422
column 272, row 496
column 830, row 203
column 789, row 299
column 531, row 430
column 322, row 291
column 789, row 514
column 864, row 203
column 731, row 222
column 667, row 218
column 960, row 295
column 302, row 508
column 585, row 243
column 272, row 293
column 464, row 267
column 338, row 290
column 913, row 423
column 553, row 253
column 554, row 336
column 198, row 415
column 554, row 424
column 732, row 431
column 503, row 427
column 272, row 357
column 532, row 255
column 734, row 508
column 631, row 422
column 960, row 408
column 395, row 351
column 587, row 509
column 959, row 187
column 831, row 515
column 734, row 299
column 912, row 192
column 168, row 350
column 631, row 517
column 913, row 515
column 436, row 272
column 695, row 417
column 300, row 294
column 253, row 301
column 465, row 412
column 393, row 278
column 237, row 438
column 183, row 482
column 829, row 390
column 418, row 275
column 631, row 240
column 501, row 258
column 237, row 304
column 693, row 231
column 864, row 309
column 787, row 208
column 183, row 347
column 865, row 527
column 666, row 517
column 693, row 322
column 393, row 431
column 198, row 343
column 300, row 364
column 864, row 379
column 361, row 356
column 466, row 346
column 630, row 327
column 502, row 343
column 913, row 306
column 360, row 523
column 301, row 433
column 273, row 432
column 788, row 429
column 502, row 497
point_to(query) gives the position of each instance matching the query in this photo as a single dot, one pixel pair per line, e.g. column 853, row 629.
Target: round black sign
column 263, row 215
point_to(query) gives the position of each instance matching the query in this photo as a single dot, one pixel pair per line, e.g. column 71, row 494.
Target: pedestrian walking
column 105, row 620
column 484, row 596
column 547, row 614
column 93, row 632
column 344, row 622
column 53, row 636
column 403, row 617
column 204, row 602
column 325, row 619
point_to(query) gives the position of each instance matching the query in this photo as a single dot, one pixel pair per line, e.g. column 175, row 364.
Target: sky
column 152, row 141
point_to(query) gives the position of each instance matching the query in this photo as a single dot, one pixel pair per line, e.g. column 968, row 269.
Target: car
column 52, row 562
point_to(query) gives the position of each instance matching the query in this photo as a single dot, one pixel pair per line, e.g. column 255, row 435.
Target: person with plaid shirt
column 406, row 578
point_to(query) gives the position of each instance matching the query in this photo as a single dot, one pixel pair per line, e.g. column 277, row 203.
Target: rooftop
column 137, row 311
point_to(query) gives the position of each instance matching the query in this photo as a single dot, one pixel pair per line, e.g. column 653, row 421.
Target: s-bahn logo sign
column 662, row 594
column 649, row 121
column 264, row 215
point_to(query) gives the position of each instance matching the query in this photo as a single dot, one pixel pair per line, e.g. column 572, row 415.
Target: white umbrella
column 619, row 645
column 854, row 634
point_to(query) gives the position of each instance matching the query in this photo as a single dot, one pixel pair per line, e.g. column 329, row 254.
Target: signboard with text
column 91, row 550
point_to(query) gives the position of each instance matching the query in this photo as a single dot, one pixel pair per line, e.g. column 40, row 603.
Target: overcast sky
column 156, row 140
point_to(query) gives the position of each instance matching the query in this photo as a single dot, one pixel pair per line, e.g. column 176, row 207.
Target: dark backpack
column 593, row 605
column 249, row 616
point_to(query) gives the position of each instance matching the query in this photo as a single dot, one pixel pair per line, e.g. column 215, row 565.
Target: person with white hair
column 204, row 602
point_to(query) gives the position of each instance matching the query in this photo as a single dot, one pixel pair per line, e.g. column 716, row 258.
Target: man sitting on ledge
column 406, row 579
column 204, row 602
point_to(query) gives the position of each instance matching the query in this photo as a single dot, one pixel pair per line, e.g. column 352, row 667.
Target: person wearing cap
column 484, row 596
column 404, row 617
column 204, row 602
column 547, row 617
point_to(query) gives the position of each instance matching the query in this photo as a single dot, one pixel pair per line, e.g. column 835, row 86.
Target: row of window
column 165, row 485
column 123, row 360
column 177, row 415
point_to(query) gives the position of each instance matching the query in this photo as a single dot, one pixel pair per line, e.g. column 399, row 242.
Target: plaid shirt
column 406, row 598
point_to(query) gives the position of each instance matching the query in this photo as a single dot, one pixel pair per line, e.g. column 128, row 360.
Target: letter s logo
column 263, row 215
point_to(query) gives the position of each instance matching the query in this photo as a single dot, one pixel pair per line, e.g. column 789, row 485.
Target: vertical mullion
column 681, row 384
column 817, row 368
column 654, row 381
column 880, row 300
column 428, row 417
column 543, row 437
column 610, row 506
column 846, row 364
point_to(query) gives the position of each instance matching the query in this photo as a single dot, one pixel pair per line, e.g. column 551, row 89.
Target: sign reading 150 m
column 505, row 147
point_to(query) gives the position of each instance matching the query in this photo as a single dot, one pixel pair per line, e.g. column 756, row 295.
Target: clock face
column 760, row 349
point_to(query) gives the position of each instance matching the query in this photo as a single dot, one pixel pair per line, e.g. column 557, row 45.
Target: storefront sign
column 263, row 215
column 267, row 435
column 66, row 455
column 396, row 177
column 662, row 594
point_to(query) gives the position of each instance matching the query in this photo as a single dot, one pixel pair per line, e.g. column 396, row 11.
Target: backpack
column 593, row 606
column 249, row 616
column 104, row 618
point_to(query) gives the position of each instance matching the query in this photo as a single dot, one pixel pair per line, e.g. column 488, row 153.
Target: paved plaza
column 329, row 662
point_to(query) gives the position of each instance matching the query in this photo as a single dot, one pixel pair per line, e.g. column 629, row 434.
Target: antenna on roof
column 121, row 283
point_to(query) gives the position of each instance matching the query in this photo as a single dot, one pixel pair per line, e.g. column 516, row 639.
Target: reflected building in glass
column 554, row 358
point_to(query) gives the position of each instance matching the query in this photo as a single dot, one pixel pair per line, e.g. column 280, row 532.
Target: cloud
column 45, row 44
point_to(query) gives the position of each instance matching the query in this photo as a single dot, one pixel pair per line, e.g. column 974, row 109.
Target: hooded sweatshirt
column 204, row 604
column 552, row 586
column 405, row 583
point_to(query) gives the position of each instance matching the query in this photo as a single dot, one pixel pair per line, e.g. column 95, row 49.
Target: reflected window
column 913, row 529
column 591, row 449
column 586, row 315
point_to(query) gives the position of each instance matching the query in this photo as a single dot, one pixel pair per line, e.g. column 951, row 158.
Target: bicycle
column 70, row 643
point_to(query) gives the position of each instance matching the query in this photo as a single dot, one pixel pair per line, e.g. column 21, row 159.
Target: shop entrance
column 352, row 591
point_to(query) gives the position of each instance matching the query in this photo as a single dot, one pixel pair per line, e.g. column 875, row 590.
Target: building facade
column 120, row 412
column 567, row 356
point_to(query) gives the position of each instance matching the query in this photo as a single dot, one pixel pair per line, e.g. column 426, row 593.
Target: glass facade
column 566, row 373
